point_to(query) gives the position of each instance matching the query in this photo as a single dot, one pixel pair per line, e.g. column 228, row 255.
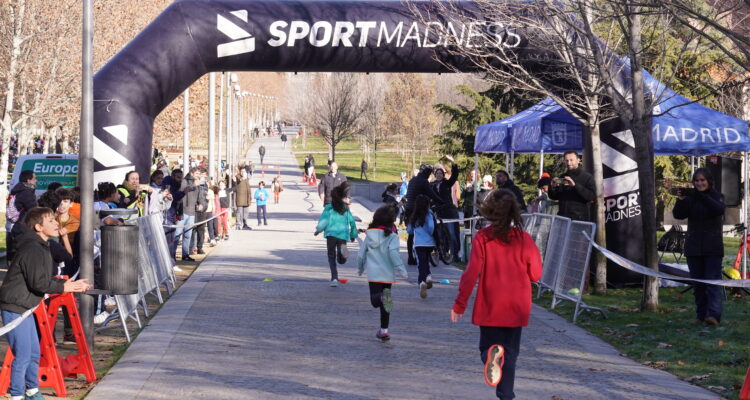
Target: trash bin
column 119, row 256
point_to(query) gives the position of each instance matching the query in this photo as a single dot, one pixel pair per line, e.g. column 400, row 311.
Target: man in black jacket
column 29, row 277
column 419, row 184
column 24, row 199
column 574, row 190
column 329, row 181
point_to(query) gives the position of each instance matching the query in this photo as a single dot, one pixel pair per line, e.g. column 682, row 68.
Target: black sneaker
column 188, row 258
column 247, row 228
column 201, row 251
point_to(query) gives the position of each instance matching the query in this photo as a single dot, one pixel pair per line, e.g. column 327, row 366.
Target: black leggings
column 376, row 291
column 333, row 245
column 510, row 339
column 423, row 262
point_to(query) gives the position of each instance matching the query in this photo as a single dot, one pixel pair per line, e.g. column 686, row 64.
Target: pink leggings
column 223, row 222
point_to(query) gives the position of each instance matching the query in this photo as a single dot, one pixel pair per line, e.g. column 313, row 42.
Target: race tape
column 629, row 265
column 13, row 324
column 199, row 223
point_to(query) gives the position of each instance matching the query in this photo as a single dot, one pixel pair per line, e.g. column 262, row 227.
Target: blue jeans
column 185, row 233
column 24, row 342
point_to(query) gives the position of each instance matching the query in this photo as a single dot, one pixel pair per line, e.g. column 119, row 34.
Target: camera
column 681, row 191
column 559, row 181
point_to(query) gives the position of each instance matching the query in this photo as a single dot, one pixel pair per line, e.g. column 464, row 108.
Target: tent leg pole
column 744, row 215
column 541, row 169
column 474, row 200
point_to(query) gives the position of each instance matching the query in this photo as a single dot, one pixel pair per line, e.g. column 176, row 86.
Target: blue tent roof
column 545, row 126
column 679, row 126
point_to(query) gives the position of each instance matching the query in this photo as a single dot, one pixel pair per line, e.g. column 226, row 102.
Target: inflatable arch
column 192, row 37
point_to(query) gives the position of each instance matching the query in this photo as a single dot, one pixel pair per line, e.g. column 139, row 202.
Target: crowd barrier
column 565, row 251
column 154, row 272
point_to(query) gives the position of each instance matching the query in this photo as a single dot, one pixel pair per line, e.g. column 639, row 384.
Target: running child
column 29, row 277
column 379, row 254
column 421, row 224
column 338, row 225
column 506, row 261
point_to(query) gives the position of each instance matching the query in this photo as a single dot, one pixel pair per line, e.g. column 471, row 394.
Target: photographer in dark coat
column 574, row 190
column 418, row 185
column 704, row 247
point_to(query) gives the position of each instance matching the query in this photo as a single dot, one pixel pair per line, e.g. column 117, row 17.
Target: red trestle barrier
column 745, row 392
column 53, row 368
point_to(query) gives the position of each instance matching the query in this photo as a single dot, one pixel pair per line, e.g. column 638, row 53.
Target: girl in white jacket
column 379, row 254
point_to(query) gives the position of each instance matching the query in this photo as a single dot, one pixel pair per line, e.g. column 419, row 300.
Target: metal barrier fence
column 553, row 250
column 154, row 270
column 572, row 276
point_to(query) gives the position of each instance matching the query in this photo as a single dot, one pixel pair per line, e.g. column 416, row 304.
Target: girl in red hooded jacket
column 505, row 261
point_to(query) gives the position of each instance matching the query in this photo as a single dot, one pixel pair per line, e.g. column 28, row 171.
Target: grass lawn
column 390, row 165
column 713, row 357
column 318, row 144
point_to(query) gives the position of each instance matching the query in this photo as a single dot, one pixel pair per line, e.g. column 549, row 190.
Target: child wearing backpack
column 338, row 225
column 421, row 224
column 29, row 277
column 379, row 255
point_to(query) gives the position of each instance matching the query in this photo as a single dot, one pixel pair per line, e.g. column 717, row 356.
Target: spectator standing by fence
column 505, row 261
column 242, row 199
column 574, row 190
column 223, row 196
column 29, row 277
column 704, row 246
column 22, row 199
column 443, row 186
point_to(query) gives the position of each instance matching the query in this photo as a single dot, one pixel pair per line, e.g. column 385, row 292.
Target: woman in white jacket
column 379, row 254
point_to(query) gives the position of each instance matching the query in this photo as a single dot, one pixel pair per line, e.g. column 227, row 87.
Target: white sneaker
column 334, row 283
column 110, row 301
column 101, row 317
column 176, row 269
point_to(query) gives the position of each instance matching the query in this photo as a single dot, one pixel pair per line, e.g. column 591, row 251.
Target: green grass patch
column 315, row 144
column 713, row 357
column 389, row 165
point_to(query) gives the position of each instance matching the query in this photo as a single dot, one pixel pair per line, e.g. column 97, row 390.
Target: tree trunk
column 600, row 286
column 645, row 160
column 6, row 130
column 375, row 160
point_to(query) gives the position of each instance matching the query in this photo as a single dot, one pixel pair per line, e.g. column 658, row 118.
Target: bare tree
column 560, row 49
column 336, row 108
column 409, row 115
column 373, row 133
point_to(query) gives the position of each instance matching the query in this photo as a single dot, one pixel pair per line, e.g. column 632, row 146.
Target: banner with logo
column 191, row 38
column 622, row 201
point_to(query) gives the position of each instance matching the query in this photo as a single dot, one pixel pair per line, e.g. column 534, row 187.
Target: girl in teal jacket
column 422, row 226
column 338, row 225
column 379, row 255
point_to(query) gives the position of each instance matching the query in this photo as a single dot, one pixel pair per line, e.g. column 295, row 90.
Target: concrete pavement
column 227, row 334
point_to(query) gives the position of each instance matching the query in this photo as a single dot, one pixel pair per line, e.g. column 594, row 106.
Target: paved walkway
column 227, row 334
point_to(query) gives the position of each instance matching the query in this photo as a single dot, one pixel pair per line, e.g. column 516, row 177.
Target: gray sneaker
column 334, row 283
column 387, row 300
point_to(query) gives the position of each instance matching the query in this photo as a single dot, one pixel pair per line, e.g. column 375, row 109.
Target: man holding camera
column 574, row 189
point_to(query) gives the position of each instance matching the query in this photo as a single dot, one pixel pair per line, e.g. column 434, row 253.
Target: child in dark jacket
column 379, row 255
column 29, row 277
column 338, row 224
column 505, row 260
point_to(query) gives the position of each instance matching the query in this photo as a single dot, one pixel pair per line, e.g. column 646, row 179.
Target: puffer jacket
column 705, row 214
column 379, row 255
column 29, row 276
column 423, row 235
column 341, row 226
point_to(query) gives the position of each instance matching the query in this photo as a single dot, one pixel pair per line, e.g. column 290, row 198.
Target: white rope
column 13, row 324
column 196, row 224
column 640, row 269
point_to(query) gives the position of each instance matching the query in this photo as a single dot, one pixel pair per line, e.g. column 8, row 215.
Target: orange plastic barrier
column 53, row 368
column 313, row 181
